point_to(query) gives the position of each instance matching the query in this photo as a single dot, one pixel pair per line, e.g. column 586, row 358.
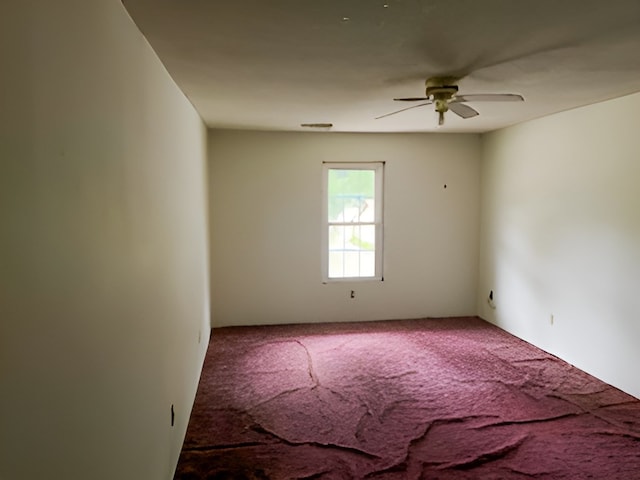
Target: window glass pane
column 367, row 264
column 336, row 264
column 348, row 237
column 350, row 195
column 352, row 251
column 366, row 237
column 337, row 239
column 351, row 263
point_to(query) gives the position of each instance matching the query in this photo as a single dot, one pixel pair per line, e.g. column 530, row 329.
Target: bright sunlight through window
column 352, row 238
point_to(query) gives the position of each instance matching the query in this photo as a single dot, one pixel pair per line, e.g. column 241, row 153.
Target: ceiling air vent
column 324, row 126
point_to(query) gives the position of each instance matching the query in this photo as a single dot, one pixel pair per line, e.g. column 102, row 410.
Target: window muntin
column 352, row 231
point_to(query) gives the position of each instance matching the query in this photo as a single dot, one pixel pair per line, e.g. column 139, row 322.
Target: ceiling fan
column 443, row 93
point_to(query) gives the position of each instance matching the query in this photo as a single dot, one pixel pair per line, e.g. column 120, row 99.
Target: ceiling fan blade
column 411, row 99
column 403, row 109
column 462, row 110
column 488, row 97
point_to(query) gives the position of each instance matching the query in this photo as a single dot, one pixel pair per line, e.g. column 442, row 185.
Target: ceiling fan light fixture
column 441, row 104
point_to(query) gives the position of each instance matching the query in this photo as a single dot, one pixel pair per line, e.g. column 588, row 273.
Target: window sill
column 352, row 280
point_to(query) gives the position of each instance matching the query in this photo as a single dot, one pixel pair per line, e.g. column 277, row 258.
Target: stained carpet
column 416, row 399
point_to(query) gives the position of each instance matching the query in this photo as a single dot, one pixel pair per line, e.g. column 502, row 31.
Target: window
column 352, row 216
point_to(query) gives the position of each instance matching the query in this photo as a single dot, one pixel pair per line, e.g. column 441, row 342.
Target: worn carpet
column 416, row 399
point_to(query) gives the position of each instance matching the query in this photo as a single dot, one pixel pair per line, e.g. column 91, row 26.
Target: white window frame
column 378, row 168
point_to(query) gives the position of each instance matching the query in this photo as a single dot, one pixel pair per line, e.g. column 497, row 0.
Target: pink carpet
column 419, row 399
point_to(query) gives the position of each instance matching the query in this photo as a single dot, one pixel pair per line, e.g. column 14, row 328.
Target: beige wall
column 560, row 236
column 266, row 210
column 103, row 257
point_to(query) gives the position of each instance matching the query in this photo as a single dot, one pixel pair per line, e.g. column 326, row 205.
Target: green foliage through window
column 349, row 189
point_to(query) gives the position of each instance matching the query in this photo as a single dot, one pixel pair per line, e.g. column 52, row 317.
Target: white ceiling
column 274, row 64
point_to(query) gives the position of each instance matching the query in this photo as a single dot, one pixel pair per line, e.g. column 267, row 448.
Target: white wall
column 561, row 236
column 266, row 213
column 103, row 247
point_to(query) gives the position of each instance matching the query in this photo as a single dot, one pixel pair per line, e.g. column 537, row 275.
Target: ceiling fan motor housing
column 441, row 90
